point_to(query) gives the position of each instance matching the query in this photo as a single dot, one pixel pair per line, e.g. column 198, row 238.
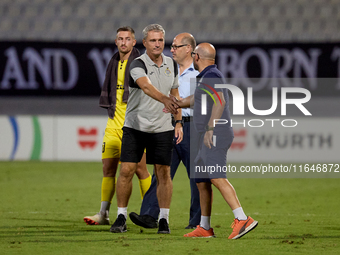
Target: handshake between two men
column 171, row 103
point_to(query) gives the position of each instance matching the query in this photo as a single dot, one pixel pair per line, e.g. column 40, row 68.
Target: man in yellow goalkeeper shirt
column 114, row 95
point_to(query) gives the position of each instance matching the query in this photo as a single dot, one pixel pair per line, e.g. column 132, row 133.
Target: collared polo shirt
column 144, row 113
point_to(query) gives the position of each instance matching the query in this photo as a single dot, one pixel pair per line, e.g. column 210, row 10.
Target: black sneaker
column 190, row 227
column 119, row 226
column 163, row 227
column 145, row 221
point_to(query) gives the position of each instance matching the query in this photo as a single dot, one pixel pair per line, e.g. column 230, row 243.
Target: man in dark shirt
column 211, row 104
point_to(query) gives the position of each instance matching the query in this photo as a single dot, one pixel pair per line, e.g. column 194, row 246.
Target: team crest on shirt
column 167, row 72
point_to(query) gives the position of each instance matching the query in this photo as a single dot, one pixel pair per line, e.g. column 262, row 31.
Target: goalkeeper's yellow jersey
column 118, row 120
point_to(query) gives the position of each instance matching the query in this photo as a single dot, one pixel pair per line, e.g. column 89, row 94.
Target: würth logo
column 240, row 138
column 87, row 138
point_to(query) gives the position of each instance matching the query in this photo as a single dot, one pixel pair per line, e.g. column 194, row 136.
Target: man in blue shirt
column 211, row 103
column 181, row 48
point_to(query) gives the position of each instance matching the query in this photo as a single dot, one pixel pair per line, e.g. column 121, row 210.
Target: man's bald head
column 205, row 56
column 181, row 48
column 206, row 51
column 186, row 38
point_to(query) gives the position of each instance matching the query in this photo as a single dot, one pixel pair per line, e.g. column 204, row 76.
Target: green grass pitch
column 43, row 204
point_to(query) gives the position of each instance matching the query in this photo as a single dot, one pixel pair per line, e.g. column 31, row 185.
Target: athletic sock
column 144, row 185
column 164, row 214
column 205, row 222
column 105, row 208
column 122, row 210
column 108, row 188
column 239, row 214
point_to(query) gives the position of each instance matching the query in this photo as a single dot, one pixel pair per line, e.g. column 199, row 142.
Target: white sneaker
column 98, row 219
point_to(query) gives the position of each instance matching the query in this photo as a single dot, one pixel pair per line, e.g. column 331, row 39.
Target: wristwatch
column 179, row 121
column 207, row 128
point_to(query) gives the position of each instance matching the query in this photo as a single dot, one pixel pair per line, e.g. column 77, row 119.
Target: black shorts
column 158, row 146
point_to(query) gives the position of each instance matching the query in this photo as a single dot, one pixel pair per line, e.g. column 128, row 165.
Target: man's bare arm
column 145, row 84
column 217, row 109
column 216, row 113
column 175, row 93
column 178, row 116
column 187, row 102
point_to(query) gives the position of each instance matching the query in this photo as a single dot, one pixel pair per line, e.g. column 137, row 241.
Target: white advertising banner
column 7, row 138
column 79, row 138
column 26, row 138
column 71, row 138
column 298, row 140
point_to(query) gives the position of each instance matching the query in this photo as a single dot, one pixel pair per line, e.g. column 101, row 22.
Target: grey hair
column 152, row 27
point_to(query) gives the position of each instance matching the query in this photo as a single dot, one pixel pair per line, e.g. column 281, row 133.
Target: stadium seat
column 217, row 20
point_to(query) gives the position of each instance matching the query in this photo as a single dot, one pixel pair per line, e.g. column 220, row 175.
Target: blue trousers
column 181, row 152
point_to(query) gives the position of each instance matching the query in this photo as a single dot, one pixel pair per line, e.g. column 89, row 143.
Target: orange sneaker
column 201, row 232
column 242, row 227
